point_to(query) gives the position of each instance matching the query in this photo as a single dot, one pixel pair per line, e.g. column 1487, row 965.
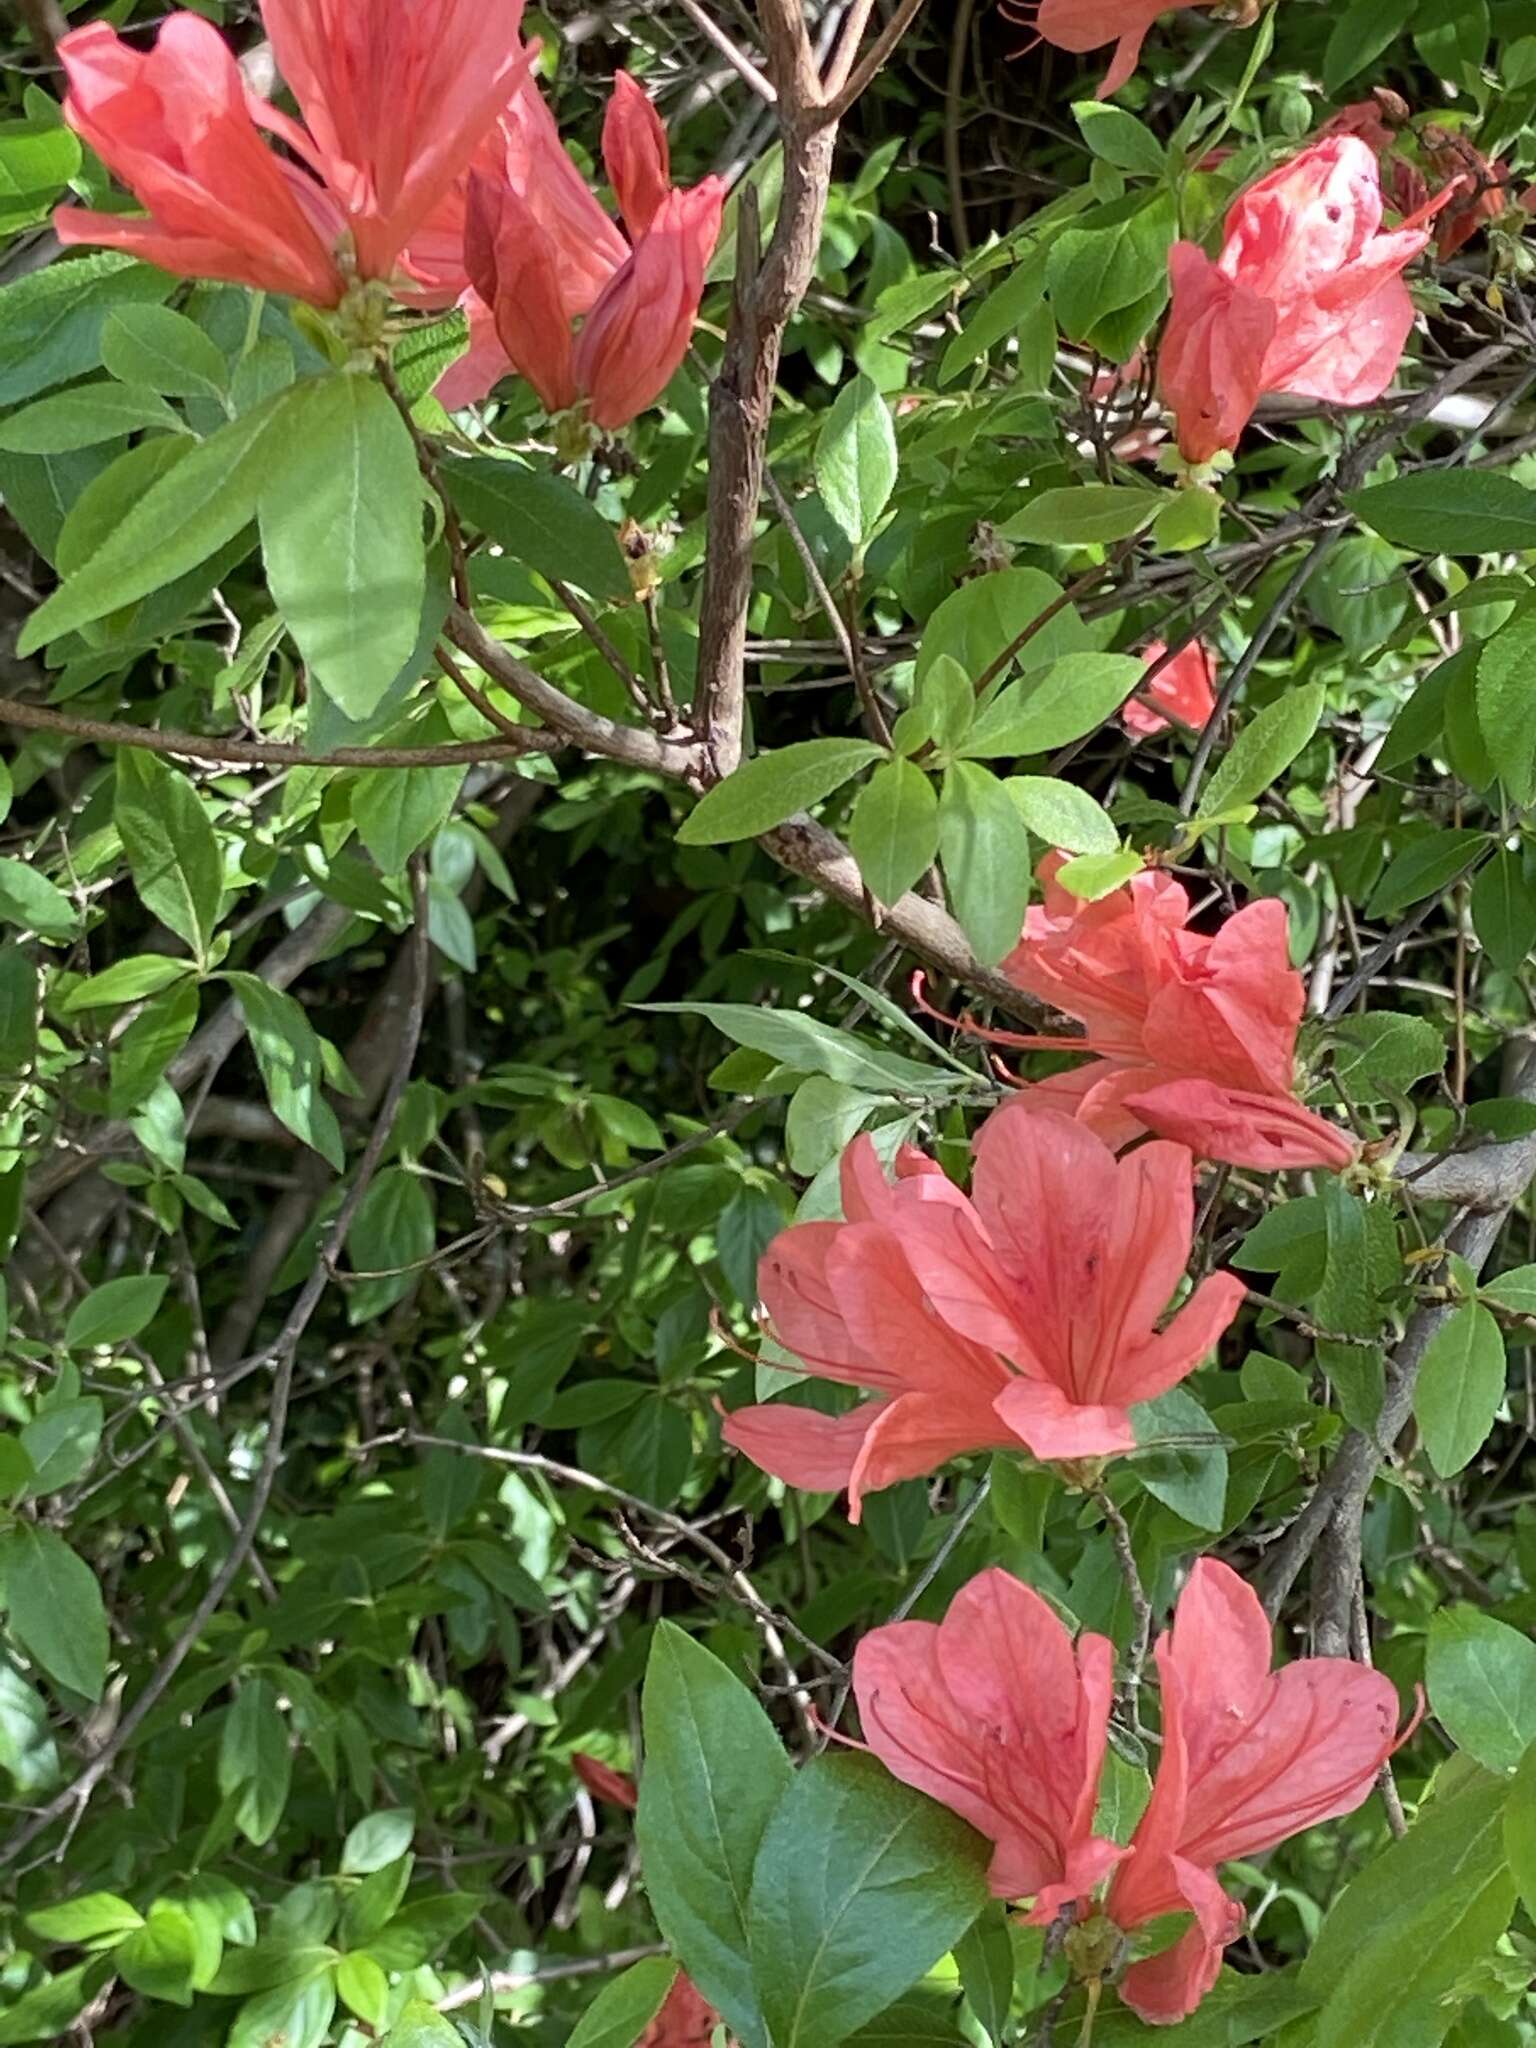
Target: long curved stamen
column 1024, row 1041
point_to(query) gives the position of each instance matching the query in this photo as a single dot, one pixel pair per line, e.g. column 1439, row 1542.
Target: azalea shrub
column 767, row 1113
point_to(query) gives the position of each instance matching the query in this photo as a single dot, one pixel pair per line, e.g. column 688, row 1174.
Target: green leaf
column 141, row 1054
column 397, row 810
column 1424, row 867
column 714, row 1775
column 296, row 2014
column 292, row 1065
column 255, row 1763
column 541, row 521
column 1360, row 34
column 1481, row 1679
column 91, row 1917
column 1236, row 2011
column 1116, row 264
column 1188, row 1477
column 856, row 459
column 363, row 1988
column 1062, row 815
column 27, row 1748
column 115, row 1311
column 1083, row 514
column 29, row 900
column 1385, row 1053
column 1189, row 519
column 1092, row 875
column 860, row 1886
column 766, row 790
column 162, row 351
column 172, row 852
column 193, row 511
column 159, row 1959
column 998, row 315
column 1506, row 703
column 61, row 1442
column 422, row 2026
column 977, row 622
column 377, row 1839
column 1504, row 910
column 83, row 417
column 984, row 1958
column 51, row 320
column 894, row 830
column 393, row 1233
column 18, row 1012
column 1074, row 696
column 126, row 981
column 38, row 157
column 985, row 850
column 48, row 2011
column 55, row 1607
column 804, row 1043
column 1460, row 1387
column 341, row 531
column 1451, row 512
column 1403, row 1931
column 1263, row 750
column 1119, row 138
column 1515, row 1290
column 1520, row 1828
column 622, row 2010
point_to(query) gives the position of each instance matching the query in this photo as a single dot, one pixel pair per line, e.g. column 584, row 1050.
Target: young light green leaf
column 1082, row 514
column 1460, row 1387
column 29, row 900
column 341, row 530
column 115, row 1312
column 894, row 830
column 1090, row 876
column 126, row 981
column 856, row 459
column 1062, row 815
column 985, row 850
column 291, row 1063
column 1264, row 749
column 622, row 2010
column 771, row 787
column 172, row 852
column 1073, row 697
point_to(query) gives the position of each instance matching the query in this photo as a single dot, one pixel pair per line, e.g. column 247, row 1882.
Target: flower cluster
column 426, row 165
column 995, row 1713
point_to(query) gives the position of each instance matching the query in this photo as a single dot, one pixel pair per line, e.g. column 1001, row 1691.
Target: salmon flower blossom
column 1306, row 297
column 540, row 254
column 395, row 96
column 992, row 1713
column 686, row 2019
column 995, row 1714
column 1025, row 1315
column 1250, row 1757
column 1185, row 687
column 1193, row 1033
column 1081, row 25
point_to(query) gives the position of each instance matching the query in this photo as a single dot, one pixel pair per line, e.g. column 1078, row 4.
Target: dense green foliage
column 386, row 1151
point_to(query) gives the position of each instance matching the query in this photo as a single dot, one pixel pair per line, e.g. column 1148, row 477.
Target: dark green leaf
column 55, row 1607
column 1460, row 1387
column 172, row 852
column 766, row 790
column 542, row 521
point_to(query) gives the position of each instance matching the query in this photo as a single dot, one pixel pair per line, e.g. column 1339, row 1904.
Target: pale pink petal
column 1051, row 1425
column 914, row 1435
column 802, row 1446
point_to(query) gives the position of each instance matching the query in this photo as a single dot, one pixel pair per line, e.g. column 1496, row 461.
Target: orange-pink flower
column 174, row 123
column 1184, row 686
column 1194, row 1033
column 1079, row 25
column 540, row 254
column 1026, row 1315
column 1306, row 297
column 395, row 97
column 994, row 1713
column 1250, row 1757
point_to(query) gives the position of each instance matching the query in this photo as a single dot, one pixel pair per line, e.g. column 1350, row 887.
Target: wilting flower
column 1194, row 1033
column 175, row 124
column 1025, row 1315
column 395, row 97
column 1250, row 1757
column 1079, row 25
column 1306, row 296
column 686, row 2019
column 991, row 1713
column 540, row 254
column 995, row 1714
column 1183, row 686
